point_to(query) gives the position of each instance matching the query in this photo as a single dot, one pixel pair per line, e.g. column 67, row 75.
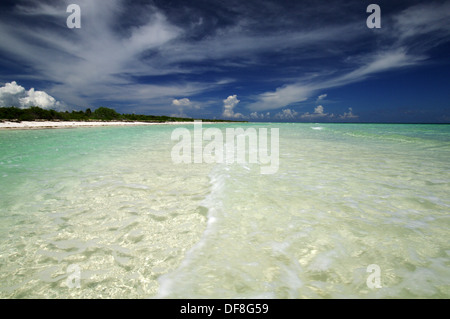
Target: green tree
column 107, row 114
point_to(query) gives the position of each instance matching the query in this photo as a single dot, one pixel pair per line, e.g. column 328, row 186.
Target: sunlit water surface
column 111, row 202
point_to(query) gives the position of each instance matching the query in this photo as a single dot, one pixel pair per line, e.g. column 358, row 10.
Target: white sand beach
column 74, row 124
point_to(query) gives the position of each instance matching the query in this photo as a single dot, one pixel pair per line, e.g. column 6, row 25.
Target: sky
column 269, row 61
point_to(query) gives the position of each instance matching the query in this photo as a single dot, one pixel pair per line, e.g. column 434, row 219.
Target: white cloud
column 319, row 112
column 301, row 91
column 97, row 61
column 13, row 94
column 424, row 19
column 259, row 116
column 36, row 9
column 281, row 97
column 229, row 104
column 235, row 42
column 38, row 98
column 182, row 102
column 182, row 105
column 255, row 116
column 321, row 97
column 376, row 63
column 348, row 115
column 286, row 114
column 10, row 94
column 12, row 88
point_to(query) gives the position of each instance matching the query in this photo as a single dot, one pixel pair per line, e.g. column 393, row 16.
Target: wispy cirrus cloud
column 321, row 97
column 147, row 54
column 432, row 19
column 302, row 90
column 95, row 62
column 102, row 62
column 400, row 52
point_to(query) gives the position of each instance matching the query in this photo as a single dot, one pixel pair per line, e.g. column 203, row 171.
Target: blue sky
column 313, row 61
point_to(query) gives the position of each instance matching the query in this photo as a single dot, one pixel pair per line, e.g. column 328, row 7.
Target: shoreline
column 35, row 125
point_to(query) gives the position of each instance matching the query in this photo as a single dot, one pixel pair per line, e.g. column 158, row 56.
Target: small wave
column 212, row 203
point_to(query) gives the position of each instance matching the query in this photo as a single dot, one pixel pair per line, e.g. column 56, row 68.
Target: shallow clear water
column 111, row 202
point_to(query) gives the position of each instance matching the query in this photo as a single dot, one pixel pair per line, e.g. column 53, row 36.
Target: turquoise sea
column 106, row 213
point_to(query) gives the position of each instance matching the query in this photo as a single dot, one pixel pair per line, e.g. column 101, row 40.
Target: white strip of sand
column 73, row 124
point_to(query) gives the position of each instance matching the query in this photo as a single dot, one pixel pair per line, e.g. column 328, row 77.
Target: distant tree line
column 101, row 114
